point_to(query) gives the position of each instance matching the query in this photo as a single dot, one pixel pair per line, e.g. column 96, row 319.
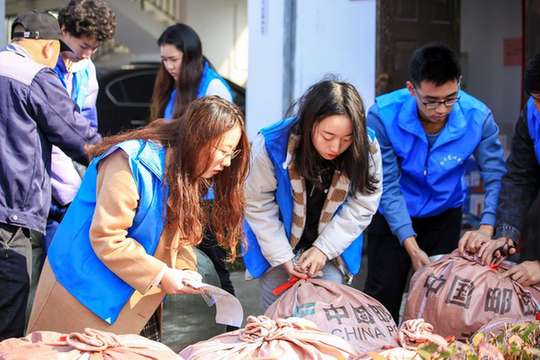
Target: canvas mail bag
column 88, row 345
column 264, row 338
column 458, row 295
column 339, row 310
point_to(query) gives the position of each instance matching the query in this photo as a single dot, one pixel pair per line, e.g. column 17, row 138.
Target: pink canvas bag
column 457, row 295
column 90, row 345
column 339, row 310
column 264, row 338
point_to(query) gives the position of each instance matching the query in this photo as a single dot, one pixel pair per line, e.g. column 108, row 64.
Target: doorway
column 404, row 25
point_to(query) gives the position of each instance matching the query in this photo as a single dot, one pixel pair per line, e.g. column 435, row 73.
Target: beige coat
column 56, row 309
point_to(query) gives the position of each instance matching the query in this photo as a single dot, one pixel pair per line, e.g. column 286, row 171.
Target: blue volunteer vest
column 71, row 256
column 431, row 179
column 533, row 123
column 208, row 74
column 276, row 138
column 80, row 82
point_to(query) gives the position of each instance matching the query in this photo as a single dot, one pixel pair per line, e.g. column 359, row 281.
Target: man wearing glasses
column 426, row 133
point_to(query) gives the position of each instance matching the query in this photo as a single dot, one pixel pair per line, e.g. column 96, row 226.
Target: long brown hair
column 186, row 40
column 190, row 142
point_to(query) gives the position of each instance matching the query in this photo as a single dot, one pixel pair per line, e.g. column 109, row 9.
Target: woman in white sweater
column 314, row 184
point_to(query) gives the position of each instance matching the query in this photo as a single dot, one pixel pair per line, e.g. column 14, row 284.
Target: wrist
column 486, row 229
column 411, row 246
column 508, row 231
column 321, row 252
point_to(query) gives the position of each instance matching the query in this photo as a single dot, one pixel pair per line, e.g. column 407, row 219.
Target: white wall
column 337, row 37
column 484, row 26
column 266, row 63
column 222, row 27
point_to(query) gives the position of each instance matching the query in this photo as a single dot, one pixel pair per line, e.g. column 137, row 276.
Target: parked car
column 125, row 92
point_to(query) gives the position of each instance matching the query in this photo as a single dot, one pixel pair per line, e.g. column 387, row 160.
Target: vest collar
column 150, row 154
column 153, row 157
column 409, row 121
column 455, row 128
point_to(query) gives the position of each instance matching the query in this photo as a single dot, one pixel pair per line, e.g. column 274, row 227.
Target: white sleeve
column 354, row 216
column 262, row 211
column 217, row 87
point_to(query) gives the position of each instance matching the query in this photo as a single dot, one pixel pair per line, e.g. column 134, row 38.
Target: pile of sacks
column 449, row 301
column 454, row 309
column 314, row 319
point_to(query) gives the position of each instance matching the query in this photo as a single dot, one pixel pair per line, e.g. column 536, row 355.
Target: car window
column 116, row 92
column 132, row 89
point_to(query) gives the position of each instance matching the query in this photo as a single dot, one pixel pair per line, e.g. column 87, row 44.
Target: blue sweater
column 422, row 180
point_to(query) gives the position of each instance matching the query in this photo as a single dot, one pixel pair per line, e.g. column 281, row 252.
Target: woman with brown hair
column 126, row 240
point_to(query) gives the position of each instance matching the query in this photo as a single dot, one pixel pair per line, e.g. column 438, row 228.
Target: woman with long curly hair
column 126, row 241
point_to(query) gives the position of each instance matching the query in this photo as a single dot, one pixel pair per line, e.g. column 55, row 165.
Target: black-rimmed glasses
column 434, row 104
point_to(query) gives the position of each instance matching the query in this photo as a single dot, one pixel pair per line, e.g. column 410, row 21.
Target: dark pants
column 15, row 273
column 389, row 263
column 217, row 255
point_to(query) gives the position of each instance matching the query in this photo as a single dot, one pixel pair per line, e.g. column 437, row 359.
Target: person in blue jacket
column 519, row 190
column 426, row 132
column 185, row 75
column 85, row 25
column 314, row 184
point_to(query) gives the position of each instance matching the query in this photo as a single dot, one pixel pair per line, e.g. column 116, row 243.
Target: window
column 134, row 89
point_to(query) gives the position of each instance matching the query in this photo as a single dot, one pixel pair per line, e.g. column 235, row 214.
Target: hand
column 472, row 241
column 418, row 257
column 312, row 261
column 177, row 281
column 496, row 250
column 293, row 270
column 527, row 273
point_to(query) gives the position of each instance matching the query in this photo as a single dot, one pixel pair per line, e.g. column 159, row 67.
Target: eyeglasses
column 224, row 154
column 434, row 104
